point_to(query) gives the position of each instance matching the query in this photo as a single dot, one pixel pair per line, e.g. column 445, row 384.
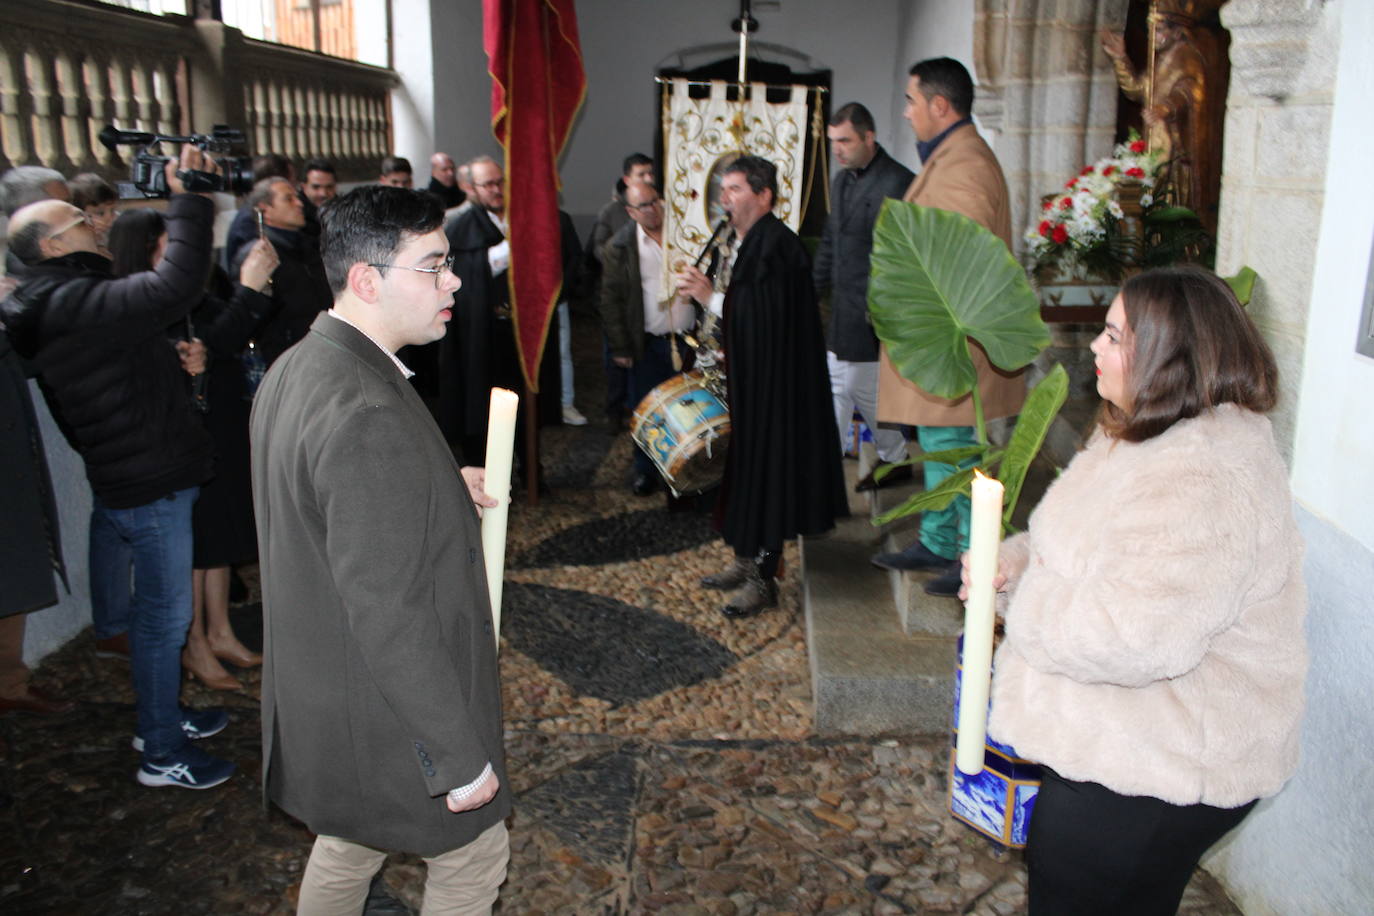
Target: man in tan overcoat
column 959, row 173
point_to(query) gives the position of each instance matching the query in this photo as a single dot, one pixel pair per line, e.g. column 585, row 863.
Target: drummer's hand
column 476, row 479
column 623, row 362
column 694, row 283
column 999, row 581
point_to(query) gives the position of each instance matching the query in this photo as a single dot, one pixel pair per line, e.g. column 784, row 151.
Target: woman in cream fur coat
column 1154, row 653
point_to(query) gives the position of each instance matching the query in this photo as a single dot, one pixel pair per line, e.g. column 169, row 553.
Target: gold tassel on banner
column 677, row 357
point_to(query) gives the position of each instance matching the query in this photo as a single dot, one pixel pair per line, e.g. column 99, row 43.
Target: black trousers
column 1091, row 851
column 648, row 372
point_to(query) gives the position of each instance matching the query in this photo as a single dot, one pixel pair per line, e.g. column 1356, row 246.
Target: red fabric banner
column 537, row 87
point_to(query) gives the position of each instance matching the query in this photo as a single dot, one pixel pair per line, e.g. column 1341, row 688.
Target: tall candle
column 985, row 536
column 500, row 449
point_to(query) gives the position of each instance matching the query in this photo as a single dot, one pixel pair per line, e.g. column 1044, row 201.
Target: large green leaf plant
column 939, row 281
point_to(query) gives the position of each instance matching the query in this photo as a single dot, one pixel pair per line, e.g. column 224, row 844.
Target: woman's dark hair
column 133, row 239
column 1190, row 347
column 90, row 190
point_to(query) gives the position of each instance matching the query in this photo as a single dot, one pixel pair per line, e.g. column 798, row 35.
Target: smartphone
column 262, row 231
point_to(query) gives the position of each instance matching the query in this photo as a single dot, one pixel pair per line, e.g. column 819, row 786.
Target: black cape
column 479, row 350
column 782, row 472
column 448, row 197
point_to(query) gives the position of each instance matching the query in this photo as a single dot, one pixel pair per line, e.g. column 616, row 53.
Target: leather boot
column 732, row 576
column 755, row 595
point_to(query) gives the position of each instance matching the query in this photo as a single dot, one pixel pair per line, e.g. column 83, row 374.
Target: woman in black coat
column 222, row 520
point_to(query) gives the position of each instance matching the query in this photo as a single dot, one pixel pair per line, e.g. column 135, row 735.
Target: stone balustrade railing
column 67, row 70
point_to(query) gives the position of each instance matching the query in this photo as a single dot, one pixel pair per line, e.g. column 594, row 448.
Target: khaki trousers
column 462, row 882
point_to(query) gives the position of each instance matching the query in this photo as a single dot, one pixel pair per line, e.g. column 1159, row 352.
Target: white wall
column 49, row 628
column 412, row 103
column 1305, row 851
column 931, row 28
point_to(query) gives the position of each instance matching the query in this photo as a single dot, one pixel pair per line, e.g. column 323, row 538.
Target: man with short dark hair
column 381, row 709
column 396, row 172
column 636, row 168
column 116, row 386
column 639, row 323
column 961, row 174
column 443, row 181
column 867, row 177
column 782, row 470
column 321, row 183
column 299, row 288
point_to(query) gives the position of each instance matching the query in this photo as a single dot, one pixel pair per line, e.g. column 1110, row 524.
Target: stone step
column 882, row 650
column 869, row 675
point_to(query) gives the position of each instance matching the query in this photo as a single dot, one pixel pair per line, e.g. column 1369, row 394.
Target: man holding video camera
column 115, row 384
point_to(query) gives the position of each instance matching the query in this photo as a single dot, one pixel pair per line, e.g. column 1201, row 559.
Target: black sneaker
column 188, row 768
column 196, row 724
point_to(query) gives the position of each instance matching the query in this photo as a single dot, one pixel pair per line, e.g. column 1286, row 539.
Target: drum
column 684, row 428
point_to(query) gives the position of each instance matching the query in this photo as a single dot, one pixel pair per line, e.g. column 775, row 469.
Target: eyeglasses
column 76, row 221
column 494, row 183
column 445, row 268
column 647, row 205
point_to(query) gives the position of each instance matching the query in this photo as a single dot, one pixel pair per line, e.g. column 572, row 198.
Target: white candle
column 500, row 450
column 985, row 536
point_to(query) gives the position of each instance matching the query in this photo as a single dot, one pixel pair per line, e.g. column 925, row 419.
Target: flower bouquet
column 1109, row 220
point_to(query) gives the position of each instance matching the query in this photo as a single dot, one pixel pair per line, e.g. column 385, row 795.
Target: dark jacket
column 111, row 377
column 379, row 686
column 30, row 540
column 842, row 257
column 622, row 294
column 448, row 197
column 299, row 290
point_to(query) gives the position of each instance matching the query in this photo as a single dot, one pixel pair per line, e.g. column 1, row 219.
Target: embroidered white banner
column 702, row 137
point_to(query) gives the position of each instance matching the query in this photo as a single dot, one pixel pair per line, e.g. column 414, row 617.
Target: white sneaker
column 573, row 417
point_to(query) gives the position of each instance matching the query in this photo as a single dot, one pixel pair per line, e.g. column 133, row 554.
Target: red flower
column 1046, row 205
column 1071, row 183
column 1087, row 170
column 1044, row 228
column 1060, row 235
column 1138, row 146
column 1066, row 203
column 1136, row 172
column 1108, row 170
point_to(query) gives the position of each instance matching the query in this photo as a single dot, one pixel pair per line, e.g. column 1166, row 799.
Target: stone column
column 1045, row 90
column 1278, row 121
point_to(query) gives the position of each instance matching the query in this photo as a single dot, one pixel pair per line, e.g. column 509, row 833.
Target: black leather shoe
column 899, row 474
column 753, row 597
column 732, row 577
column 644, row 484
column 946, row 585
column 916, row 557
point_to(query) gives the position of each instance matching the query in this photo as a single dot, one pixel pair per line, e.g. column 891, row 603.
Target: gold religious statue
column 1182, row 93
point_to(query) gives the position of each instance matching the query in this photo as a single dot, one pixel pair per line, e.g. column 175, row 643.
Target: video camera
column 147, row 177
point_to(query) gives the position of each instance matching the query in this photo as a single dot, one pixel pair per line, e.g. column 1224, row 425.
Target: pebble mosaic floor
column 662, row 756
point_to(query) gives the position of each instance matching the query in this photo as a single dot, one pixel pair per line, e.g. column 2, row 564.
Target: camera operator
column 117, row 388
